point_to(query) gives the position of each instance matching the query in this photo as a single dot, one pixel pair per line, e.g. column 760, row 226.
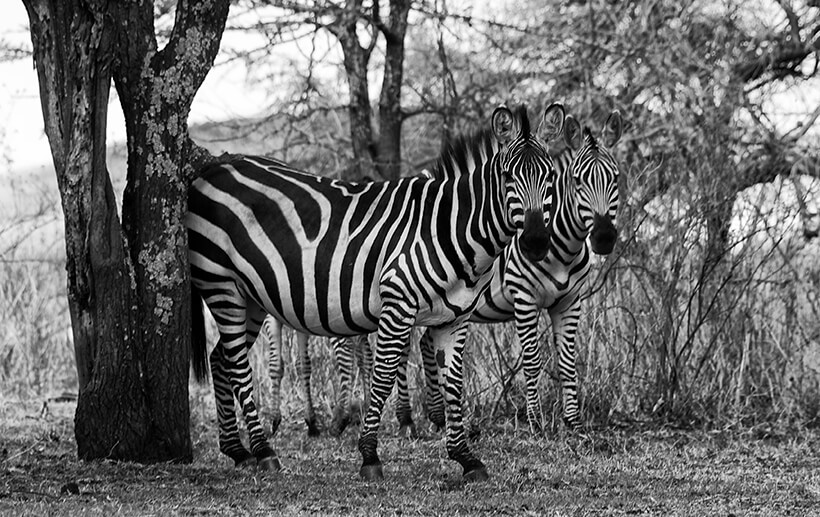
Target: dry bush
column 36, row 352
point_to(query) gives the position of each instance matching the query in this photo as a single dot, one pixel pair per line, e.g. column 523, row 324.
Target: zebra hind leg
column 230, row 442
column 305, row 370
column 343, row 354
column 434, row 397
column 238, row 329
column 364, row 358
column 271, row 331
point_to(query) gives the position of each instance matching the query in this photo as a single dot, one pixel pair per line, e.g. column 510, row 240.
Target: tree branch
column 195, row 38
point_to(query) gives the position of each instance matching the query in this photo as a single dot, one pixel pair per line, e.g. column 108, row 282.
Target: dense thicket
column 708, row 310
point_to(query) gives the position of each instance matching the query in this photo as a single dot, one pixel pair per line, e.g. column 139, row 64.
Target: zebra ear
column 552, row 123
column 572, row 133
column 503, row 124
column 612, row 129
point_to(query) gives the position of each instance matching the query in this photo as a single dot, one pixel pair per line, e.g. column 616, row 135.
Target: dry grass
column 611, row 472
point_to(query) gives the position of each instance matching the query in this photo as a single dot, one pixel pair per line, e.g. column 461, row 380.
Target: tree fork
column 127, row 283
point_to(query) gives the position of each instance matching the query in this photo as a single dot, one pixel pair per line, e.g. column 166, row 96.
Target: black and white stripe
column 585, row 206
column 333, row 258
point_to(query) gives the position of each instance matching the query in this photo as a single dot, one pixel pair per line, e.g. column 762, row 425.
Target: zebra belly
column 333, row 310
column 458, row 303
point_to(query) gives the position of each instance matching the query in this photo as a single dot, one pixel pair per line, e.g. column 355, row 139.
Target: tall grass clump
column 36, row 350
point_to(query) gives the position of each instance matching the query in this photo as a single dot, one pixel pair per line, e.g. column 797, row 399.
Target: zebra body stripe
column 332, row 258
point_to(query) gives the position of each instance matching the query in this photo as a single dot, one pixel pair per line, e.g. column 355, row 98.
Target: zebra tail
column 199, row 341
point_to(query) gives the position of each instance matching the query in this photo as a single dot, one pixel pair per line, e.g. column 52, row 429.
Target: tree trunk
column 391, row 117
column 127, row 284
column 355, row 60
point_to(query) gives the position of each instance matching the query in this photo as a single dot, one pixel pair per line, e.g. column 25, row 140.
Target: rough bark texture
column 390, row 112
column 355, row 60
column 127, row 284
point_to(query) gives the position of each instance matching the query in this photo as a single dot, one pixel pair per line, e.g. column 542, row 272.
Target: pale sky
column 23, row 144
column 226, row 94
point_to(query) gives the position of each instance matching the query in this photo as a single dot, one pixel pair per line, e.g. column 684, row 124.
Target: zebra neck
column 478, row 217
column 495, row 219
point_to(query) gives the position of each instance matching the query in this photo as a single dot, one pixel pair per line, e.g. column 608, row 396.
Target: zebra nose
column 603, row 235
column 535, row 237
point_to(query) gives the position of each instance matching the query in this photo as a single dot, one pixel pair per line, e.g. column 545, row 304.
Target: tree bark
column 355, row 61
column 390, row 112
column 127, row 283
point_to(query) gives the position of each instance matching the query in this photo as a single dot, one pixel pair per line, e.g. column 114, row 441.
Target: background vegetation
column 706, row 314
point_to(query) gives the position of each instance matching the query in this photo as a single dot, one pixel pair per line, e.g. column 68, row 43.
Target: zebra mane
column 458, row 151
column 590, row 138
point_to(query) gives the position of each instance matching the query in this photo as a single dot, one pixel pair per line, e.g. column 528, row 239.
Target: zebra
column 346, row 351
column 271, row 332
column 329, row 257
column 585, row 205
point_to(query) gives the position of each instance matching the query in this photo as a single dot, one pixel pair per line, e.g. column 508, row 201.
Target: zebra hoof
column 573, row 424
column 274, row 424
column 338, row 425
column 535, row 427
column 408, row 431
column 313, row 429
column 438, row 421
column 247, row 463
column 269, row 464
column 372, row 472
column 477, row 474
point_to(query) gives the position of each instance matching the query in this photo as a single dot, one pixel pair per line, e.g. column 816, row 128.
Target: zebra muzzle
column 535, row 237
column 603, row 235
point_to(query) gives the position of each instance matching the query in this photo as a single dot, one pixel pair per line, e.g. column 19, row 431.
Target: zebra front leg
column 230, row 442
column 394, row 328
column 449, row 346
column 272, row 331
column 343, row 355
column 305, row 371
column 434, row 396
column 565, row 328
column 526, row 325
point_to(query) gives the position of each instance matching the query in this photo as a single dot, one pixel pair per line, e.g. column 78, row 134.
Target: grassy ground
column 610, row 472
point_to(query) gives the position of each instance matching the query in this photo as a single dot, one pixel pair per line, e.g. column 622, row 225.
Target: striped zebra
column 333, row 258
column 585, row 205
column 346, row 351
column 271, row 333
column 556, row 283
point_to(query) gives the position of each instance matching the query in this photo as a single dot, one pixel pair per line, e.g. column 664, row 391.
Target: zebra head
column 595, row 177
column 528, row 173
